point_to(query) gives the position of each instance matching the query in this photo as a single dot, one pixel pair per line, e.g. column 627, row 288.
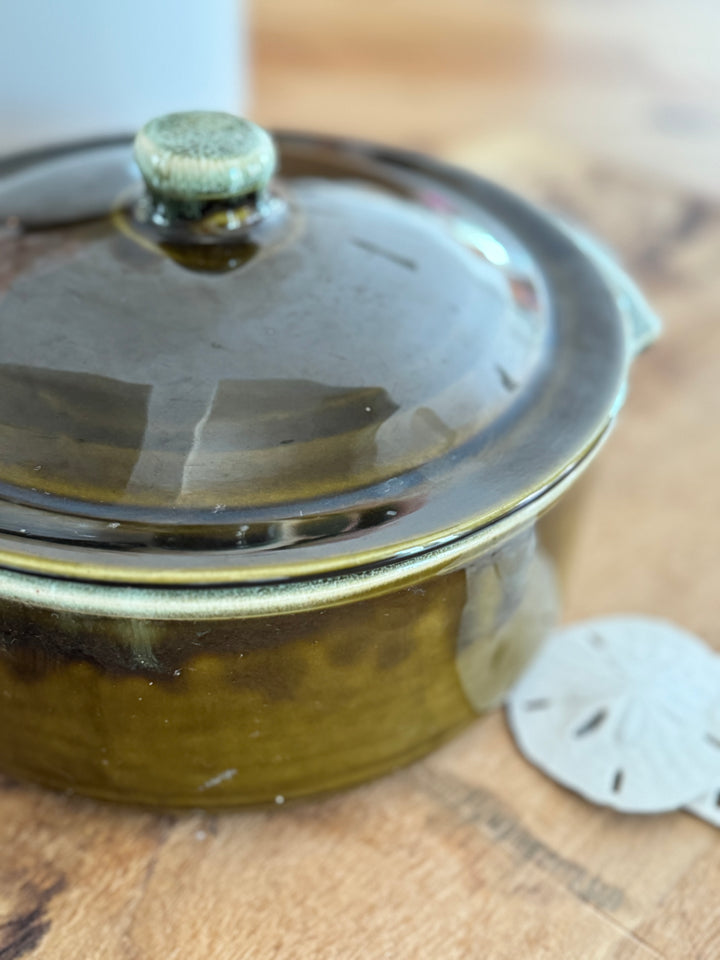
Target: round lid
column 211, row 375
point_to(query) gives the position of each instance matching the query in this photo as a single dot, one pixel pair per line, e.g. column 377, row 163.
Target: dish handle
column 642, row 323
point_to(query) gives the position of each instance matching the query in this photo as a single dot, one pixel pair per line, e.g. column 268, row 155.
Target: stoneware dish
column 274, row 454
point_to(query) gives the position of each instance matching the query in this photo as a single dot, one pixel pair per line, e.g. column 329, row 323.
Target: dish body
column 378, row 584
column 184, row 700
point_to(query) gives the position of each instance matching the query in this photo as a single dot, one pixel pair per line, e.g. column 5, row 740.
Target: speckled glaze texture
column 203, row 155
column 286, row 483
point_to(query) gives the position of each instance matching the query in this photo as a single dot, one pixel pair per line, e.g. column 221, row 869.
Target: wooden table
column 471, row 853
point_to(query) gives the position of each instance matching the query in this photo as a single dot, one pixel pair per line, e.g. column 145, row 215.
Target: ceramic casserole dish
column 288, row 431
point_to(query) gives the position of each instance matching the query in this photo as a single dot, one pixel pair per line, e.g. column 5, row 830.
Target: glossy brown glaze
column 383, row 353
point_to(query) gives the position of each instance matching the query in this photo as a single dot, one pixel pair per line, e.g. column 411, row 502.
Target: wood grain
column 472, row 853
column 635, row 81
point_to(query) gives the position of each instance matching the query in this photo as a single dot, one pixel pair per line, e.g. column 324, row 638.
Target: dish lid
column 214, row 375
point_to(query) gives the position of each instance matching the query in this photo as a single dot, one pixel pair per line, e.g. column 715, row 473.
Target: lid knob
column 200, row 156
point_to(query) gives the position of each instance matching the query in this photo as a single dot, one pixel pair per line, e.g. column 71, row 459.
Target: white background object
column 707, row 807
column 85, row 68
column 623, row 711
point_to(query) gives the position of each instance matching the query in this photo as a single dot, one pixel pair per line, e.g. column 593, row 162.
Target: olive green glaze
column 221, row 712
column 271, row 469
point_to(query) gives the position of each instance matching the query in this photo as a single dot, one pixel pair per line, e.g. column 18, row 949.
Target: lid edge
column 182, row 593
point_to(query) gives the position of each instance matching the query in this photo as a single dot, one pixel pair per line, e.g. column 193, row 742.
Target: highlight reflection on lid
column 392, row 355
